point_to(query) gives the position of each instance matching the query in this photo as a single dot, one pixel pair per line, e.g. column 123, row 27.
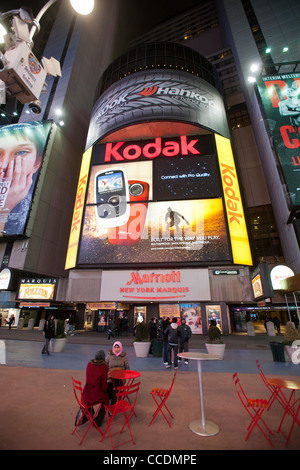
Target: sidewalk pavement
column 37, row 408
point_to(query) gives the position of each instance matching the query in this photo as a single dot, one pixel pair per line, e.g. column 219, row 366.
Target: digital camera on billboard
column 131, row 232
column 111, row 197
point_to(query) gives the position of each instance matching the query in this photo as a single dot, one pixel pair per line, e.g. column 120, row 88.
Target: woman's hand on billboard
column 21, row 181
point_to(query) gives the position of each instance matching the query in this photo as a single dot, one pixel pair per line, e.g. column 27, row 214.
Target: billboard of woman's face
column 21, row 153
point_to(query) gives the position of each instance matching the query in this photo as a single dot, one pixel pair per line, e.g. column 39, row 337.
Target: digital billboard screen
column 22, row 148
column 280, row 96
column 158, row 201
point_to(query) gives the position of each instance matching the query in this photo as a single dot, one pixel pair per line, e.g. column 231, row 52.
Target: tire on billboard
column 158, row 96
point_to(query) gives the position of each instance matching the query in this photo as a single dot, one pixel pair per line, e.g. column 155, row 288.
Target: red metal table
column 292, row 405
column 124, row 374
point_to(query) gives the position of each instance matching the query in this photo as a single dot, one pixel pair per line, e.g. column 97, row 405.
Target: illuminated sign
column 234, row 207
column 23, row 147
column 78, row 210
column 279, row 273
column 261, row 282
column 158, row 201
column 170, row 148
column 5, row 277
column 158, row 285
column 231, row 272
column 280, row 95
column 37, row 289
column 257, row 286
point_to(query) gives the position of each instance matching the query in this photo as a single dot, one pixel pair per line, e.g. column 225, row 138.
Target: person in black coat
column 152, row 327
column 165, row 323
column 49, row 332
column 185, row 333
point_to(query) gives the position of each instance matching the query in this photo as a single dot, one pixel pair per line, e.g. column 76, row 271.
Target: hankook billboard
column 158, row 96
column 22, row 149
column 280, row 95
column 166, row 200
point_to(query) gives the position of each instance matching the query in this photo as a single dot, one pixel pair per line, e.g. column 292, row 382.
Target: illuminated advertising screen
column 165, row 200
column 261, row 283
column 154, row 201
column 22, row 148
column 280, row 95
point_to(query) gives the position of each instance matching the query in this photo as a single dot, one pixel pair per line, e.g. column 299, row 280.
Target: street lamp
column 24, row 76
column 82, row 7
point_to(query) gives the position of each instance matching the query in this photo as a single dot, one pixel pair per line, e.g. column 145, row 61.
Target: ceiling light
column 268, row 50
column 254, row 68
column 285, row 49
column 251, row 79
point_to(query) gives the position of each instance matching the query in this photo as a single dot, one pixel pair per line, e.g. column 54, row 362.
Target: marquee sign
column 40, row 288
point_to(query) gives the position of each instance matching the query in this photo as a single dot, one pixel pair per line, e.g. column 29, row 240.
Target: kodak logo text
column 79, row 203
column 171, row 148
column 232, row 199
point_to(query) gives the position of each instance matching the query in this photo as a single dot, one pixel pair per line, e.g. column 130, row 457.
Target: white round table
column 201, row 427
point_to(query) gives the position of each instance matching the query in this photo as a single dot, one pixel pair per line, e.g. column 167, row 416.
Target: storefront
column 98, row 315
column 259, row 314
column 127, row 297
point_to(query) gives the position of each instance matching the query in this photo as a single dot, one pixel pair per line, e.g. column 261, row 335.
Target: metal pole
column 296, row 306
column 287, row 306
column 36, row 21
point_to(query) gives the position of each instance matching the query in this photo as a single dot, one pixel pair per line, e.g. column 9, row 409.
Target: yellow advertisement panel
column 78, row 210
column 234, row 207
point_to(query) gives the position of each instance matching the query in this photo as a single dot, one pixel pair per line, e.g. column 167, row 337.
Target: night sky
column 158, row 11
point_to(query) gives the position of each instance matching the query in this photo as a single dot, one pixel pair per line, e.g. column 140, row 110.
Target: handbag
column 81, row 416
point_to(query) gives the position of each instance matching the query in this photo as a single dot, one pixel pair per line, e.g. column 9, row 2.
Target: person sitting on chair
column 95, row 389
column 116, row 359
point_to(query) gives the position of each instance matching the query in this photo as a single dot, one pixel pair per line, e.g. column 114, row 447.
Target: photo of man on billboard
column 21, row 154
column 291, row 106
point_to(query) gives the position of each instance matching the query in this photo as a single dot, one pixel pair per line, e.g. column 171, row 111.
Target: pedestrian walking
column 11, row 321
column 110, row 329
column 185, row 333
column 173, row 335
column 49, row 332
column 71, row 322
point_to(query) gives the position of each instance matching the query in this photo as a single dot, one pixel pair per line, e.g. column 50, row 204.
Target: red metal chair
column 123, row 406
column 162, row 395
column 255, row 407
column 77, row 388
column 274, row 390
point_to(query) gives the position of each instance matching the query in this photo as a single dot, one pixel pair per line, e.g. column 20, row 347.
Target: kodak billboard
column 163, row 201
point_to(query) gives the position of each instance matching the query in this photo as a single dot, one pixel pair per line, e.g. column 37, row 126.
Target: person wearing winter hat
column 95, row 389
column 172, row 334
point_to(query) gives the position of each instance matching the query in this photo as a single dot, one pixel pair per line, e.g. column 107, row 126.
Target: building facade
column 169, row 122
